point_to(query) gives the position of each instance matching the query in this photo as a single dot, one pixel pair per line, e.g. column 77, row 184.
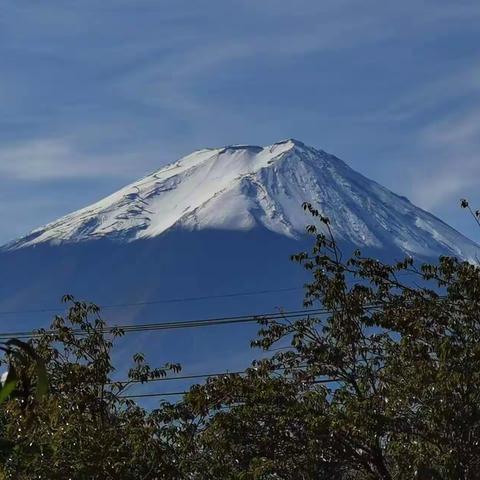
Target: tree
column 386, row 385
column 83, row 428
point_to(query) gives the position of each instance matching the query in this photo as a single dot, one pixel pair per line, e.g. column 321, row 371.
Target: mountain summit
column 243, row 187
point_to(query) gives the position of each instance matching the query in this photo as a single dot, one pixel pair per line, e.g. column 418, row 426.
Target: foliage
column 19, row 353
column 385, row 385
column 16, row 352
column 83, row 428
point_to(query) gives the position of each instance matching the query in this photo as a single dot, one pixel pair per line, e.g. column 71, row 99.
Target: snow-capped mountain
column 209, row 236
column 240, row 188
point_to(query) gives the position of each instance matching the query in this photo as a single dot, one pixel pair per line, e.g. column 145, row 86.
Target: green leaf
column 22, row 346
column 41, row 371
column 9, row 386
column 42, row 379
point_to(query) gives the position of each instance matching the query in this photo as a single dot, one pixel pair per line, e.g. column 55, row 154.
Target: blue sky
column 95, row 94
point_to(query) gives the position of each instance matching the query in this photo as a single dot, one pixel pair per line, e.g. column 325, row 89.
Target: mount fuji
column 210, row 235
column 241, row 188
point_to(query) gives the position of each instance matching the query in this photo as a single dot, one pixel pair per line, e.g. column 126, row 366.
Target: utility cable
column 160, row 301
column 168, row 394
column 181, row 324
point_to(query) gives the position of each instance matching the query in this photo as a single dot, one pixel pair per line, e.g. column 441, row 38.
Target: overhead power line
column 182, row 324
column 182, row 377
column 160, row 301
column 156, row 326
column 199, row 375
column 143, row 395
column 184, row 392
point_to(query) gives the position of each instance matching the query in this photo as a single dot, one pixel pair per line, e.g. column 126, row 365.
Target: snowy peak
column 157, row 202
column 242, row 187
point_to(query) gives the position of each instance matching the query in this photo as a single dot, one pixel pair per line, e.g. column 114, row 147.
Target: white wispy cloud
column 119, row 87
column 459, row 131
column 437, row 124
column 49, row 159
column 450, row 153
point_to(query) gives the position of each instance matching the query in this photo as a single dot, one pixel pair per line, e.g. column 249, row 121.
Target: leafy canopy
column 385, row 385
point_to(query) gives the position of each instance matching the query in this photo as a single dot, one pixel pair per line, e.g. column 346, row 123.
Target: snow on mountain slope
column 243, row 187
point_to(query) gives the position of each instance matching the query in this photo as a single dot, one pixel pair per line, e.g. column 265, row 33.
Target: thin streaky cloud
column 50, row 159
column 112, row 90
column 451, row 158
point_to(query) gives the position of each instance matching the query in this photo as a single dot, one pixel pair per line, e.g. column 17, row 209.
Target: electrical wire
column 160, row 301
column 194, row 376
column 168, row 394
column 145, row 395
column 181, row 324
column 183, row 377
